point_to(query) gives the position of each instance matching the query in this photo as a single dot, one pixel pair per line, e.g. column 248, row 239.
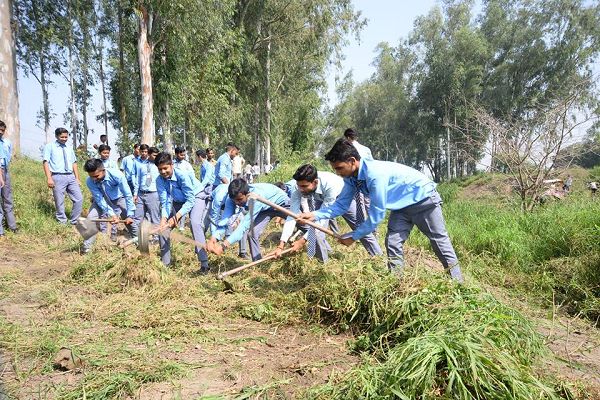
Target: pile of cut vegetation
column 424, row 337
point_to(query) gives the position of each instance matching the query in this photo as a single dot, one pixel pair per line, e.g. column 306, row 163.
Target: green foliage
column 429, row 338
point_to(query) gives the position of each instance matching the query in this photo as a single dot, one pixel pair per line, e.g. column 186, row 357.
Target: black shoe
column 244, row 256
column 15, row 231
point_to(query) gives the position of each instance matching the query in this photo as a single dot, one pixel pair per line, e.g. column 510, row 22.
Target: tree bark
column 9, row 95
column 122, row 98
column 267, row 138
column 144, row 58
column 42, row 79
column 74, row 119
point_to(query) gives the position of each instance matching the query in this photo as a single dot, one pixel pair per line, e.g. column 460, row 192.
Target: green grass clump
column 551, row 254
column 427, row 338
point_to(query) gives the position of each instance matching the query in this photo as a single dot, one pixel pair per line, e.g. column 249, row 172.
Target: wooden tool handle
column 222, row 275
column 106, row 220
column 182, row 238
column 295, row 216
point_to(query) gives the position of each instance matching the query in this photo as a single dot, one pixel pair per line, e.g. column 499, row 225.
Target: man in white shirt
column 238, row 165
column 363, row 151
column 316, row 189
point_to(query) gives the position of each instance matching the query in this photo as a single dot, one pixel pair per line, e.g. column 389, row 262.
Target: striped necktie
column 312, row 234
column 360, row 203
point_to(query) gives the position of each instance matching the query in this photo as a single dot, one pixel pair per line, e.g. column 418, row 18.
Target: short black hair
column 201, row 153
column 230, row 146
column 179, row 150
column 350, row 134
column 342, row 151
column 163, row 158
column 281, row 186
column 144, row 146
column 153, row 150
column 58, row 131
column 103, row 147
column 136, row 146
column 93, row 165
column 237, row 186
column 103, row 135
column 208, row 149
column 2, row 124
column 306, row 172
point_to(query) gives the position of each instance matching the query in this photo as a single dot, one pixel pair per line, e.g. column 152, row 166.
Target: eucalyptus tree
column 9, row 96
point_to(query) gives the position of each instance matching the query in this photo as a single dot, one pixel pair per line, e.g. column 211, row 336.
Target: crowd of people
column 164, row 189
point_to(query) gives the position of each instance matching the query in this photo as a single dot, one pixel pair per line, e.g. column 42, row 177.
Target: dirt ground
column 236, row 356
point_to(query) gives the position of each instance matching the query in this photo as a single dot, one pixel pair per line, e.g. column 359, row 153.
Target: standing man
column 6, row 209
column 315, row 190
column 145, row 194
column 210, row 154
column 104, row 153
column 407, row 193
column 60, row 167
column 364, row 151
column 103, row 141
column 112, row 198
column 180, row 162
column 180, row 194
column 238, row 165
column 224, row 166
column 238, row 192
column 128, row 165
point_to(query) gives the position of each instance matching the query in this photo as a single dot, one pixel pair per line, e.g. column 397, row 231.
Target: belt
column 146, row 191
column 62, row 173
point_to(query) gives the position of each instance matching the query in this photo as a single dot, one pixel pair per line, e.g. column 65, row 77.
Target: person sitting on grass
column 410, row 196
column 112, row 199
column 239, row 192
column 104, row 153
column 180, row 193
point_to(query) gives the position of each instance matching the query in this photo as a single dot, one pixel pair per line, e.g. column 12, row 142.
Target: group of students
column 163, row 189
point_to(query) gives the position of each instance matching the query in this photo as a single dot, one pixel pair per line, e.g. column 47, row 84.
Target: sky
column 387, row 20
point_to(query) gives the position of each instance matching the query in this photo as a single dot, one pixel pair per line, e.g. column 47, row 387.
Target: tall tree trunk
column 74, row 119
column 166, row 123
column 268, row 102
column 42, row 78
column 45, row 103
column 144, row 58
column 103, row 86
column 257, row 141
column 122, row 98
column 9, row 96
column 84, row 104
column 166, row 128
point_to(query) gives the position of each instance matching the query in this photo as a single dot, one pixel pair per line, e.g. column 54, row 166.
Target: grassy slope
column 123, row 329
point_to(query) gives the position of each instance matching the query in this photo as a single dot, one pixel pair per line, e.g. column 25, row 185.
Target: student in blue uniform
column 315, row 190
column 407, row 193
column 128, row 165
column 145, row 194
column 6, row 208
column 224, row 166
column 180, row 193
column 104, row 154
column 112, row 198
column 238, row 195
column 60, row 167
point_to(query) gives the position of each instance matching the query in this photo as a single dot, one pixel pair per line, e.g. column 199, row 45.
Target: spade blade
column 86, row 228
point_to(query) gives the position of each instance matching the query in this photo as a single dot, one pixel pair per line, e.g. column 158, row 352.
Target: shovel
column 88, row 228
